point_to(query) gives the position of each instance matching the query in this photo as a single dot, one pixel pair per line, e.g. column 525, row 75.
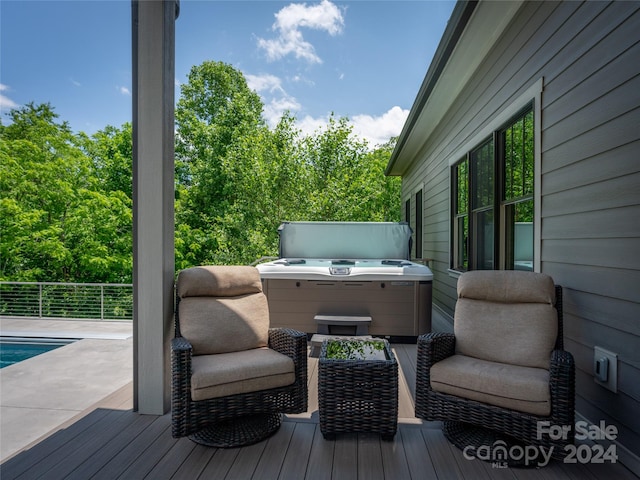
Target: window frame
column 529, row 100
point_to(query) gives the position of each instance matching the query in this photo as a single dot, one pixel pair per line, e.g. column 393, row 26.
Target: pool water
column 14, row 351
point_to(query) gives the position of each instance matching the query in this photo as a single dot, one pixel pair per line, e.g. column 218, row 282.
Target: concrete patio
column 40, row 395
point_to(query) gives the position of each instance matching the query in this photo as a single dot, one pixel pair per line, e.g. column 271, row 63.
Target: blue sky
column 364, row 60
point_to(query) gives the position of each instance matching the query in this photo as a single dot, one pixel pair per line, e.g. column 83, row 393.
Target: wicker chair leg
column 239, row 431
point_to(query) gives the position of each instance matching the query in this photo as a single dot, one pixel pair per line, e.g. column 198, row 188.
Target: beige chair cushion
column 218, row 281
column 507, row 286
column 226, row 374
column 221, row 325
column 506, row 317
column 514, row 387
column 518, row 334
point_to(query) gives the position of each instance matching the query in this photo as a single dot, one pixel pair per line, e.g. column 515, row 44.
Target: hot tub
column 348, row 269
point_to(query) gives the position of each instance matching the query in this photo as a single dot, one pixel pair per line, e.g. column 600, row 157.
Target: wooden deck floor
column 110, row 441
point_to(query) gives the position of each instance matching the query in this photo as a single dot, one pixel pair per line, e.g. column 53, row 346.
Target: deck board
column 295, row 461
column 320, row 461
column 111, row 441
column 345, row 458
column 394, row 459
column 370, row 466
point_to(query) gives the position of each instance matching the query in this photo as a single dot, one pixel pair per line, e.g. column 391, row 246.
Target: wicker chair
column 503, row 370
column 232, row 375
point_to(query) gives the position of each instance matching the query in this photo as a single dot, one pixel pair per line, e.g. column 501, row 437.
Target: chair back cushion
column 507, row 317
column 222, row 309
column 218, row 281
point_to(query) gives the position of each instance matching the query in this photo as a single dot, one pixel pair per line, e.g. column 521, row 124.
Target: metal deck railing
column 76, row 301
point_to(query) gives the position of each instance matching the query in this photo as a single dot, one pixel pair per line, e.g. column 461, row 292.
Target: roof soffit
column 487, row 23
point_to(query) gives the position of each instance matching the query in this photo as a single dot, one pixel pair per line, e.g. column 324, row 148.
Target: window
column 517, row 192
column 481, row 161
column 493, row 201
column 419, row 224
column 461, row 216
column 407, row 211
column 407, row 218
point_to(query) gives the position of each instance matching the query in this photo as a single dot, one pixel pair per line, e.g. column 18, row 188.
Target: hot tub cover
column 361, row 240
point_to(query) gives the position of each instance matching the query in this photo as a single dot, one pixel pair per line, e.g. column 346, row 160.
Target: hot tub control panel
column 340, row 270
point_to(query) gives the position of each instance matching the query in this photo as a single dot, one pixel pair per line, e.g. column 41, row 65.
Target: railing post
column 39, row 299
column 101, row 302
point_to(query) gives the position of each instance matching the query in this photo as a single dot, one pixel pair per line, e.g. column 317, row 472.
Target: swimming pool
column 17, row 349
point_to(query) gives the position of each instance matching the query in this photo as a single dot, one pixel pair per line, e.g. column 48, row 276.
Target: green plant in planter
column 355, row 350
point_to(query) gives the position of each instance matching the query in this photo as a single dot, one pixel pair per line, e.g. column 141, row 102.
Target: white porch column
column 153, row 58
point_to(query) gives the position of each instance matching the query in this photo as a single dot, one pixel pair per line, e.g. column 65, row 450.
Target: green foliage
column 355, row 350
column 111, row 153
column 237, row 180
column 66, row 200
column 58, row 221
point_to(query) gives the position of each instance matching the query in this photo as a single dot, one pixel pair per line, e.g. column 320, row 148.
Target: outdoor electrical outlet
column 605, row 368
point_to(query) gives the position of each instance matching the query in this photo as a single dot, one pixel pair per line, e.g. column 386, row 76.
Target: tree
column 347, row 182
column 66, row 200
column 216, row 109
column 111, row 153
column 380, row 195
column 215, row 114
column 237, row 180
column 56, row 223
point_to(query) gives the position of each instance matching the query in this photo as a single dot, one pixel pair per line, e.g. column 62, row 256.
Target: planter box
column 358, row 394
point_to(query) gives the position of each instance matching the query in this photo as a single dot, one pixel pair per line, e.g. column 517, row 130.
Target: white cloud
column 124, row 91
column 375, row 130
column 378, row 130
column 309, row 125
column 75, row 82
column 274, row 110
column 266, row 82
column 275, row 99
column 5, row 102
column 323, row 16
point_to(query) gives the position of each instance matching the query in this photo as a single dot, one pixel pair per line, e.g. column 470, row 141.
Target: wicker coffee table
column 358, row 392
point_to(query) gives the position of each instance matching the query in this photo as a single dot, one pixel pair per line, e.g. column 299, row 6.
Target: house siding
column 588, row 55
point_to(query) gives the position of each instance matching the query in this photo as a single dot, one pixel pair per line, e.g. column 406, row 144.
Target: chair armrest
column 287, row 341
column 562, row 388
column 180, row 344
column 181, row 366
column 293, row 344
column 432, row 347
column 180, row 386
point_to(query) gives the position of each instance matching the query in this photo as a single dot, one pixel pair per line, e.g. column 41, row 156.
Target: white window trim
column 534, row 92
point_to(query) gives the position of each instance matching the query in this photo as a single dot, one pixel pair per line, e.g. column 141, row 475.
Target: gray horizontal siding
column 599, row 111
column 594, row 168
column 595, row 252
column 610, row 194
column 619, row 222
column 589, row 56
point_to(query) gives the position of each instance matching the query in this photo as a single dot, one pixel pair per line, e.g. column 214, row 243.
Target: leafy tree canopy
column 58, row 222
column 66, row 199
